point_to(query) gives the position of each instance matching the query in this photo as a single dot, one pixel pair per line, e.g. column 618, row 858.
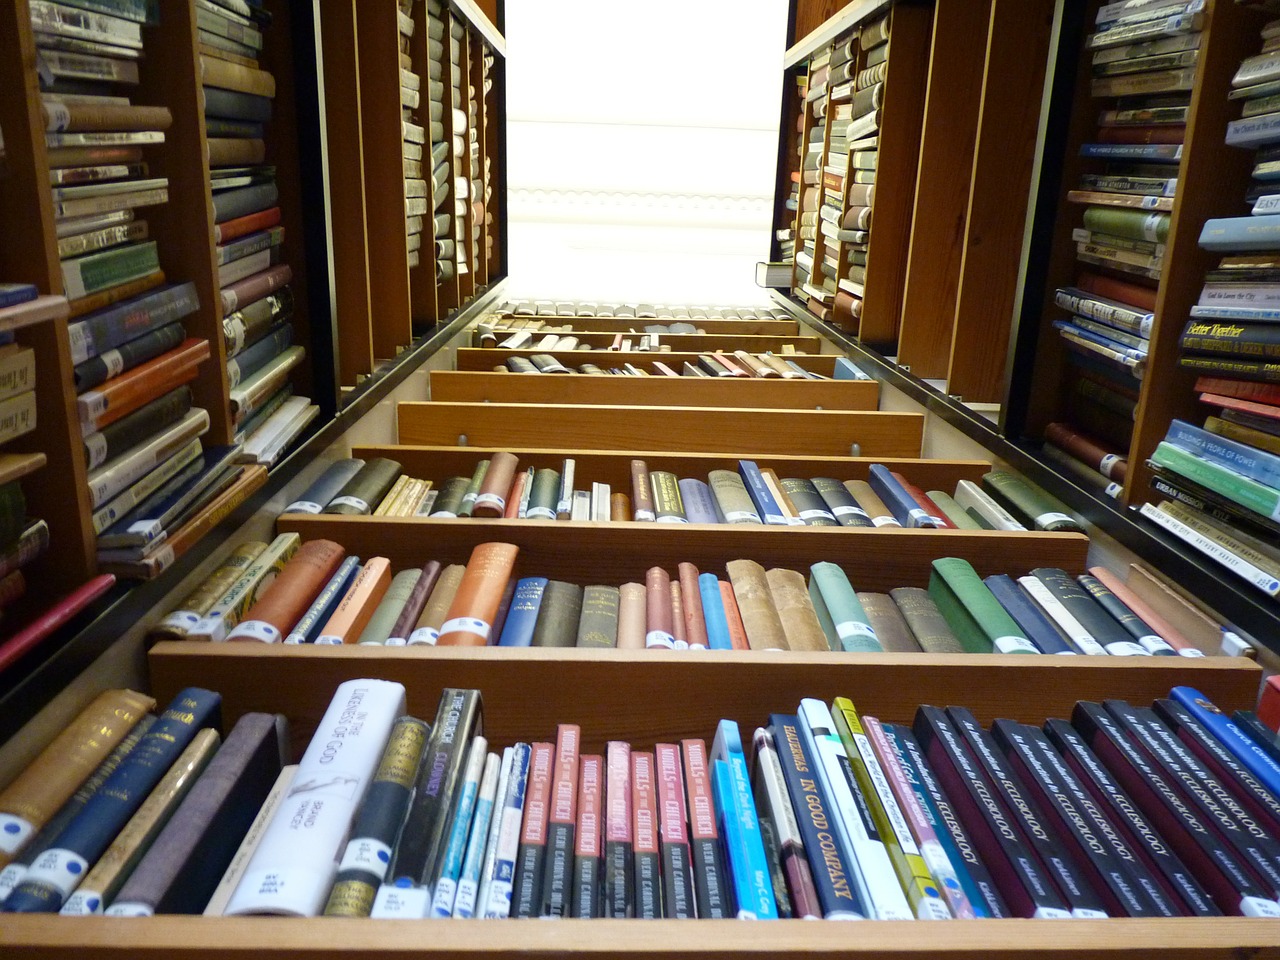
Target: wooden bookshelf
column 486, row 358
column 769, row 328
column 697, row 342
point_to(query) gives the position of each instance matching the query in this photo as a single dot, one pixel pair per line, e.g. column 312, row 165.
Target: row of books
column 498, row 487
column 740, row 363
column 314, row 592
column 638, row 311
column 415, row 104
column 1123, row 811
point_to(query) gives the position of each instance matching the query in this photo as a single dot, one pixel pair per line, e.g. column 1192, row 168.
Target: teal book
column 840, row 612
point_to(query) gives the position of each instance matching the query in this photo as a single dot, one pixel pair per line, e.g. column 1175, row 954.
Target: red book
column 617, row 831
column 240, row 226
column 63, row 610
column 1240, row 389
column 704, row 840
column 512, row 510
column 1134, row 294
column 1164, row 133
column 677, row 876
column 695, row 622
column 659, row 619
column 737, row 632
column 526, row 886
column 585, row 899
column 561, row 821
column 925, row 501
column 1269, row 704
column 647, row 861
column 677, row 617
column 1244, row 406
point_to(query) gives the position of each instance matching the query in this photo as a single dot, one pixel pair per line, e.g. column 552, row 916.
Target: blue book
column 1253, row 131
column 759, row 492
column 832, row 875
column 1254, row 314
column 736, row 811
column 1103, row 341
column 845, row 370
column 12, row 294
column 977, row 898
column 308, row 627
column 522, row 615
column 699, row 505
column 252, row 359
column 904, row 507
column 713, row 612
column 1241, row 233
column 325, row 487
column 106, row 329
column 1038, row 627
column 57, row 872
column 1238, row 457
column 1253, row 757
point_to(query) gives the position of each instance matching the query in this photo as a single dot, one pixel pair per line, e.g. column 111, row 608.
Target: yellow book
column 922, row 893
column 384, row 507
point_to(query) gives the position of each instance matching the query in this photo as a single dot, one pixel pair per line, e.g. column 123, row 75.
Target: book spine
column 1223, row 731
column 642, row 493
column 444, row 880
column 557, row 878
column 706, row 854
column 585, row 897
column 478, row 870
column 646, row 856
column 618, row 853
column 765, row 504
column 470, row 619
column 527, row 881
column 497, row 898
column 677, row 876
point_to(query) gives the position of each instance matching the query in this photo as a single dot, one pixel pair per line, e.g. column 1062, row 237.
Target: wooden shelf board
column 828, row 30
column 39, row 310
column 15, row 466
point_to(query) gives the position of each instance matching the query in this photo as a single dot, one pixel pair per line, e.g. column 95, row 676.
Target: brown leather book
column 890, row 626
column 427, row 628
column 56, row 773
column 558, row 615
column 641, row 492
column 471, row 615
column 659, row 618
column 927, row 623
column 755, row 603
column 677, row 616
column 695, row 621
column 737, row 632
column 293, row 590
column 619, row 507
column 871, row 504
column 795, row 610
column 631, row 616
column 491, row 501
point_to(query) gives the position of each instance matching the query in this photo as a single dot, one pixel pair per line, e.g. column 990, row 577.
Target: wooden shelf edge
column 831, row 28
column 15, row 466
column 477, row 18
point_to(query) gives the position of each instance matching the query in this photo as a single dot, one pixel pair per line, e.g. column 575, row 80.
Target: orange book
column 512, row 509
column 253, row 222
column 469, row 622
column 496, row 488
column 729, row 365
column 737, row 632
column 123, row 291
column 619, row 507
column 677, row 616
column 293, row 590
column 659, row 620
column 631, row 616
column 358, row 604
column 129, row 391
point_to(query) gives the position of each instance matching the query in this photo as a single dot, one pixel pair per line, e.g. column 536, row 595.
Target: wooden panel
column 486, row 358
column 942, row 191
column 427, row 462
column 1017, row 49
column 681, row 391
column 346, row 190
column 773, row 328
column 694, row 342
column 896, row 164
column 875, row 558
column 378, row 45
column 704, row 429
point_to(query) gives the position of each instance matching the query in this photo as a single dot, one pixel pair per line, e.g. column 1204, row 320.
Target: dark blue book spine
column 1264, row 767
column 230, row 204
column 759, row 492
column 233, row 105
column 250, row 361
column 904, row 507
column 128, row 355
column 522, row 615
column 1038, row 628
column 832, row 874
column 56, row 874
column 108, row 328
column 1257, row 731
column 1142, row 634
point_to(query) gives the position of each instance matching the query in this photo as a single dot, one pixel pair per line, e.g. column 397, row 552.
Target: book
column 756, row 605
column 978, row 619
column 444, row 881
column 530, row 864
column 496, row 888
column 291, row 594
column 585, row 896
column 646, row 856
column 559, row 614
column 839, row 611
column 736, row 815
column 706, row 853
column 556, row 882
column 598, row 621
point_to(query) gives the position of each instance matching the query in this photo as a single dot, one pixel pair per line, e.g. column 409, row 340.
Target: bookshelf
column 486, row 358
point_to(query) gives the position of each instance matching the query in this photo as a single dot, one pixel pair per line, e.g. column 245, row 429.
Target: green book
column 473, row 489
column 971, row 610
column 809, row 503
column 13, row 512
column 558, row 615
column 1035, row 508
column 928, row 625
column 388, row 610
column 449, row 499
column 365, row 490
column 598, row 623
column 843, row 619
column 953, row 511
column 543, row 494
column 1237, row 488
column 1133, row 224
column 82, row 276
column 668, row 507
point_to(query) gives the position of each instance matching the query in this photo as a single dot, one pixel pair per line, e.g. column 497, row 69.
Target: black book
column 1119, row 611
column 234, row 105
column 133, row 428
column 1258, row 732
column 189, row 489
column 1218, row 805
column 234, row 129
column 705, row 852
column 809, row 503
column 1083, row 900
column 1098, row 848
column 1228, row 881
column 1177, row 487
column 422, row 840
column 1096, row 621
column 128, row 355
column 585, row 898
column 1023, row 883
column 230, row 204
column 1154, row 853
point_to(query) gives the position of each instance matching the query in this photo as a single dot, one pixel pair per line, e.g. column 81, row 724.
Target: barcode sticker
column 96, row 446
column 807, row 515
column 741, row 516
column 541, row 513
column 1013, row 645
column 466, row 625
column 490, row 500
column 660, row 638
column 57, row 116
column 303, row 506
column 255, row 630
column 14, row 832
column 424, row 636
column 61, row 869
column 642, row 515
column 1045, row 519
column 1108, row 463
column 349, row 501
column 855, row 630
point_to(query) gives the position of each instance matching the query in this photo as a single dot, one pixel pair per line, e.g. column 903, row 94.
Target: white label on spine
column 146, row 528
column 294, row 639
column 79, row 337
column 83, row 903
column 776, row 519
column 660, row 638
column 328, row 640
column 741, row 516
column 10, row 877
column 93, row 403
column 400, row 903
column 466, row 625
column 303, row 506
column 541, row 513
column 61, row 869
column 255, row 630
column 564, row 506
column 366, row 853
column 1258, row 907
column 1043, row 521
column 1013, row 645
column 355, row 502
column 1125, row 648
column 469, row 498
column 442, row 901
column 114, row 362
column 1190, row 652
column 14, row 832
column 57, row 116
column 885, row 522
column 1151, row 228
column 490, row 500
column 96, row 445
column 815, row 515
column 849, row 512
column 645, row 515
column 672, row 520
column 1153, row 644
column 130, row 910
column 855, row 630
column 1084, row 913
column 1051, row 913
column 1113, row 490
column 1108, row 463
column 181, row 621
column 424, row 636
column 395, row 642
column 916, row 516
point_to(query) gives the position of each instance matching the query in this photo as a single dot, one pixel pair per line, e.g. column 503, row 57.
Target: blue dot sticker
column 11, row 828
column 93, row 903
column 384, row 856
column 74, row 867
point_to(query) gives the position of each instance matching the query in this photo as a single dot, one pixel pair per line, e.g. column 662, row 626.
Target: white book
column 495, row 900
column 464, row 901
column 501, row 796
column 600, row 494
column 876, row 879
column 1060, row 615
column 581, row 508
column 1259, row 578
column 519, row 339
column 235, row 869
column 972, row 497
column 132, row 465
column 293, row 868
column 271, row 429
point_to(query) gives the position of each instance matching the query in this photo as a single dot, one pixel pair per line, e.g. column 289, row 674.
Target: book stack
column 316, row 593
column 1167, row 810
column 740, row 364
column 256, row 299
column 462, row 136
column 1144, row 65
column 441, row 148
column 414, row 135
column 485, row 210
column 681, row 312
column 814, row 118
column 786, row 234
column 476, row 199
